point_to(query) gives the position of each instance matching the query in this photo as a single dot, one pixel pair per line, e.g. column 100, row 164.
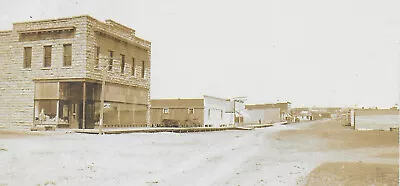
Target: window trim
column 133, row 73
column 47, row 57
column 25, row 65
column 122, row 63
column 190, row 110
column 143, row 74
column 111, row 60
column 97, row 56
column 165, row 110
column 64, row 55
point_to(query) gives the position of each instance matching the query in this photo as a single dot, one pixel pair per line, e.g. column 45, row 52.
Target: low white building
column 262, row 115
column 235, row 109
column 215, row 111
column 268, row 113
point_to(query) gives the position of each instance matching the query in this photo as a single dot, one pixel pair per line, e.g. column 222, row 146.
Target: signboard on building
column 107, row 105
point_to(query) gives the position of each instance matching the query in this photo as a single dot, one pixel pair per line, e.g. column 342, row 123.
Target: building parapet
column 5, row 32
column 47, row 23
column 136, row 42
column 65, row 19
column 53, row 29
column 120, row 26
column 143, row 42
column 120, row 32
column 109, row 27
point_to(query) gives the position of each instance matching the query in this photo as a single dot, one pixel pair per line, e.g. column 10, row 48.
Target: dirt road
column 279, row 155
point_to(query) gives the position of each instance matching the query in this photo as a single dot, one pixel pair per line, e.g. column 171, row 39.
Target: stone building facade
column 52, row 73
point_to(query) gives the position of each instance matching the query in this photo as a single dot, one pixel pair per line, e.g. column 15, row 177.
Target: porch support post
column 119, row 114
column 103, row 84
column 148, row 119
column 133, row 115
column 84, row 106
column 58, row 103
column 34, row 105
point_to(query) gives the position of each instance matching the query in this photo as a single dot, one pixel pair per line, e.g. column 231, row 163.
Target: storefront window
column 63, row 113
column 45, row 112
column 77, row 105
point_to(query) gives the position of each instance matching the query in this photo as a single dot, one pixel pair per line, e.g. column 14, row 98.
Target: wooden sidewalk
column 155, row 130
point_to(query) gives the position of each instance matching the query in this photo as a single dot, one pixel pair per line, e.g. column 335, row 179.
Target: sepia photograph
column 199, row 93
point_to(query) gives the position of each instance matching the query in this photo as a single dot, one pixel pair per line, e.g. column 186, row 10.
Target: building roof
column 260, row 106
column 282, row 106
column 299, row 109
column 215, row 97
column 177, row 103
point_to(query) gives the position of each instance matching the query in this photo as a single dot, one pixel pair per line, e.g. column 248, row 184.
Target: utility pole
column 103, row 84
column 234, row 113
column 239, row 100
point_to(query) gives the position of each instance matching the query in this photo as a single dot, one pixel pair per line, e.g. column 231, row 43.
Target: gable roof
column 281, row 106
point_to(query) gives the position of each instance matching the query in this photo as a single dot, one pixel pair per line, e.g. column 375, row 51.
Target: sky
column 310, row 52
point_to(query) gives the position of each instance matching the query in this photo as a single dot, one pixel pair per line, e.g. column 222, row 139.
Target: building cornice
column 136, row 41
column 52, row 29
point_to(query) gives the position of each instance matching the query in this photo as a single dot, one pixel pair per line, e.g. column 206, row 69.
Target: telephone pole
column 103, row 84
column 240, row 99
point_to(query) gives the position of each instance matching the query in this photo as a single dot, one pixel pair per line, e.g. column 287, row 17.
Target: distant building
column 268, row 113
column 261, row 115
column 52, row 74
column 235, row 112
column 375, row 119
column 301, row 113
column 208, row 111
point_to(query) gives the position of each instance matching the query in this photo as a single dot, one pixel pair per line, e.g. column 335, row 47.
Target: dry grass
column 340, row 137
column 336, row 137
column 345, row 173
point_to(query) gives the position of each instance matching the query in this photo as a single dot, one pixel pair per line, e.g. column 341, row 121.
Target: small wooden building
column 208, row 111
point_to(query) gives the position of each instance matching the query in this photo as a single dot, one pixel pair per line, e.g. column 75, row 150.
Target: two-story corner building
column 53, row 72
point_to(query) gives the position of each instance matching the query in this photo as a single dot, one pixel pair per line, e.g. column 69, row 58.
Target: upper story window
column 122, row 63
column 143, row 68
column 97, row 56
column 27, row 57
column 111, row 59
column 47, row 56
column 165, row 110
column 190, row 110
column 67, row 54
column 133, row 67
